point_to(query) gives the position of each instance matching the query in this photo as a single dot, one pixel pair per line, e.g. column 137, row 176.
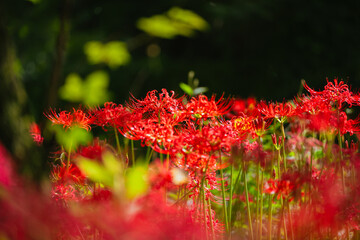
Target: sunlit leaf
column 95, row 171
column 200, row 90
column 72, row 90
column 111, row 163
column 189, row 17
column 136, row 182
column 92, row 91
column 71, row 138
column 95, row 88
column 94, row 52
column 175, row 22
column 114, row 53
column 158, row 25
column 186, row 88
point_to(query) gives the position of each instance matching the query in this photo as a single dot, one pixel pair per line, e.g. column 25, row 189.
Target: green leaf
column 71, row 138
column 94, row 52
column 188, row 17
column 116, row 54
column 113, row 53
column 136, row 182
column 200, row 90
column 95, row 88
column 186, row 88
column 72, row 90
column 96, row 172
column 111, row 163
column 158, row 26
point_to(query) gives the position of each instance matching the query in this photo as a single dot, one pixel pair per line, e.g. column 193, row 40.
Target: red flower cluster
column 205, row 140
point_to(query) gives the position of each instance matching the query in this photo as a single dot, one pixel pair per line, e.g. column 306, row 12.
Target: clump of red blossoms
column 201, row 168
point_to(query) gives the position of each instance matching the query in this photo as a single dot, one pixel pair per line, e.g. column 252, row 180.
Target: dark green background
column 253, row 48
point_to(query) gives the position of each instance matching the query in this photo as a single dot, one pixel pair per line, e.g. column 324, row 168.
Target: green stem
column 290, row 219
column 248, row 203
column 204, row 208
column 270, row 217
column 68, row 158
column 261, row 202
column 231, row 196
column 283, row 144
column 278, row 163
column 211, row 222
column 223, row 193
column 117, row 140
column 257, row 198
column 148, row 158
column 343, row 177
column 132, row 153
column 282, row 220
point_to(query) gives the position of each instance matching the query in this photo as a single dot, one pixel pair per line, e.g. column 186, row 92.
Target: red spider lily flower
column 94, row 151
column 62, row 174
column 159, row 175
column 67, row 119
column 154, row 106
column 36, row 134
column 159, row 136
column 313, row 105
column 201, row 107
column 282, row 188
column 337, row 93
column 63, row 193
column 241, row 106
column 276, row 110
column 332, row 122
column 243, row 126
column 112, row 115
column 210, row 138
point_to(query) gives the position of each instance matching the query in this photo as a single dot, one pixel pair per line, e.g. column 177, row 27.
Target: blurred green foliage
column 91, row 92
column 136, row 182
column 176, row 21
column 113, row 53
column 71, row 138
column 250, row 48
column 105, row 173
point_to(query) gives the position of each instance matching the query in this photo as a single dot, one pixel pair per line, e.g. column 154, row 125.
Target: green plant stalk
column 204, row 208
column 261, row 203
column 283, row 143
column 148, row 158
column 211, row 222
column 238, row 177
column 310, row 189
column 257, row 199
column 223, row 194
column 278, row 163
column 132, row 152
column 117, row 141
column 68, row 159
column 343, row 177
column 230, row 197
column 270, row 204
column 248, row 203
column 270, row 217
column 282, row 220
column 290, row 219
